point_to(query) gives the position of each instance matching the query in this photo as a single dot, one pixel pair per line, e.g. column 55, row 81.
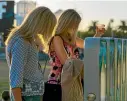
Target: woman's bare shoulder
column 57, row 40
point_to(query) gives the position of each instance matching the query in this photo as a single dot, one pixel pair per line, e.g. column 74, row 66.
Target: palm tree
column 123, row 26
column 93, row 26
column 109, row 29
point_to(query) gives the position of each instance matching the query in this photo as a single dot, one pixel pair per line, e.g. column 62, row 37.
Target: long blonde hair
column 39, row 21
column 69, row 19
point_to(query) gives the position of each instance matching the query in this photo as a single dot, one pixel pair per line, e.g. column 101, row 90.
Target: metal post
column 115, row 69
column 108, row 72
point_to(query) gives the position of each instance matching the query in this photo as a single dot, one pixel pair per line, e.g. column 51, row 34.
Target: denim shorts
column 30, row 98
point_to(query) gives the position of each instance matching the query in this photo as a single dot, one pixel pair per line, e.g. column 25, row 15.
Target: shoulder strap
column 52, row 40
column 59, row 36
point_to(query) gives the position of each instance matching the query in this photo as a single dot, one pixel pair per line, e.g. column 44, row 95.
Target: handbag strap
column 46, row 60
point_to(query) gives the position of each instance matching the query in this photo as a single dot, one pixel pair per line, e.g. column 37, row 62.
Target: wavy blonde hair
column 39, row 21
column 69, row 19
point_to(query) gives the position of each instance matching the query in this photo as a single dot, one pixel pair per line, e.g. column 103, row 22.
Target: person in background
column 22, row 44
column 64, row 45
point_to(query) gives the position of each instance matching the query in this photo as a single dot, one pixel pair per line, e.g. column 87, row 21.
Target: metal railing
column 105, row 63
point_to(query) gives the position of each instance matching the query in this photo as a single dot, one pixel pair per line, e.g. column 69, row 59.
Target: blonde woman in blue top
column 26, row 80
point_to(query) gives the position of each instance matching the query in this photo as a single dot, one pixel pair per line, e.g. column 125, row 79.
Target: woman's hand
column 100, row 29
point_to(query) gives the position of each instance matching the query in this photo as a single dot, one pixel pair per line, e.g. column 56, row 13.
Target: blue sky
column 91, row 10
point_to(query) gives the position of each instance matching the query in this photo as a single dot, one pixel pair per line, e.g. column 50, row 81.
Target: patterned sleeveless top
column 56, row 66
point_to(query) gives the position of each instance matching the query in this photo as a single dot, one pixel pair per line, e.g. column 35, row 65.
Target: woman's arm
column 59, row 49
column 18, row 60
column 17, row 94
column 97, row 35
column 80, row 42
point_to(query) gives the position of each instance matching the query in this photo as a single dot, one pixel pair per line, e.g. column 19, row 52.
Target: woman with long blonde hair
column 26, row 79
column 62, row 46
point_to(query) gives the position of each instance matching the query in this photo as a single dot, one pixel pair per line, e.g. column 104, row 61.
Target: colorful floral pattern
column 54, row 76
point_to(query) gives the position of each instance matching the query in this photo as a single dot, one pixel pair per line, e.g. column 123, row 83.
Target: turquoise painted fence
column 105, row 63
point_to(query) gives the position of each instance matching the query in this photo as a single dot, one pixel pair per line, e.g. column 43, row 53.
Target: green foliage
column 120, row 32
